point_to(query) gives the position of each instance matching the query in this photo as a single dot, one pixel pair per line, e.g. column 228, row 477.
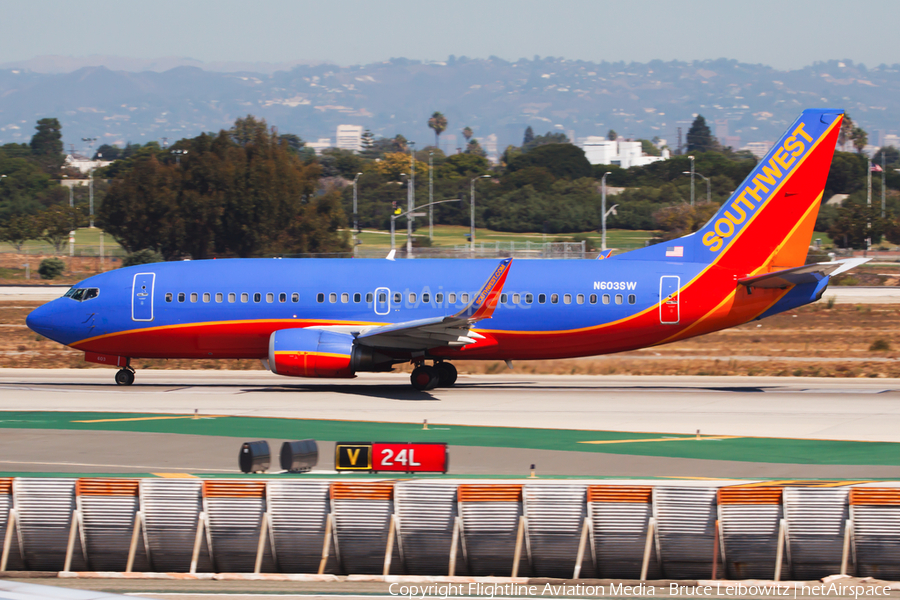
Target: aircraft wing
column 451, row 330
column 804, row 274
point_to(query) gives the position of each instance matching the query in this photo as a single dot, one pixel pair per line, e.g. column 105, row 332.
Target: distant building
column 349, row 137
column 623, row 153
column 83, row 163
column 322, row 144
column 891, row 140
column 490, row 148
column 758, row 149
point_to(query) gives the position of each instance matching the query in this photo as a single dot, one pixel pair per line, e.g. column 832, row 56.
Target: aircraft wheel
column 446, row 374
column 124, row 377
column 424, row 378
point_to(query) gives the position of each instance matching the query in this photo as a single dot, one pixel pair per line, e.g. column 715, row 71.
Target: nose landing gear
column 424, row 377
column 125, row 376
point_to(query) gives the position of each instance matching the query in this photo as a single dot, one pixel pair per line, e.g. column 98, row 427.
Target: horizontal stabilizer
column 803, row 274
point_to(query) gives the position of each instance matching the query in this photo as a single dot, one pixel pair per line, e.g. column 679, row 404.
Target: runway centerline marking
column 667, row 439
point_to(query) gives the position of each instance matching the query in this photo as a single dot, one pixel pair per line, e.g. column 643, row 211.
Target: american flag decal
column 675, row 251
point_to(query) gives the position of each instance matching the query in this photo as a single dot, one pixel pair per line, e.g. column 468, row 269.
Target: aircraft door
column 669, row 299
column 382, row 301
column 142, row 297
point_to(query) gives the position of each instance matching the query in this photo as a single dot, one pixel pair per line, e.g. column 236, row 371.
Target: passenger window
column 270, row 297
column 232, row 296
column 567, row 298
column 464, row 298
column 542, row 298
column 219, row 296
column 295, row 297
column 593, row 298
column 439, row 298
column 180, row 296
column 245, row 297
column 282, row 297
column 369, row 297
column 529, row 298
column 193, row 296
column 618, row 298
column 579, row 298
column 412, row 298
column 503, row 298
column 169, row 297
column 382, row 297
column 632, row 299
column 554, row 298
column 426, row 298
column 320, row 297
column 332, row 297
column 451, row 298
column 206, row 297
column 516, row 298
column 345, row 298
column 605, row 298
column 357, row 297
column 257, row 297
column 398, row 297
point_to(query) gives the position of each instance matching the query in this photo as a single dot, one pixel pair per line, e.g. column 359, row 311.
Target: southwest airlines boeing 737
column 337, row 317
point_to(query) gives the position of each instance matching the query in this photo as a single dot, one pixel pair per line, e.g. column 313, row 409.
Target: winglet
column 391, row 254
column 482, row 307
column 604, row 254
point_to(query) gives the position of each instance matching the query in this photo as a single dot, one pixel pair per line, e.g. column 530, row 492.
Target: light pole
column 705, row 178
column 692, row 179
column 603, row 210
column 91, row 194
column 90, row 142
column 472, row 209
column 355, row 214
column 431, row 195
column 411, row 198
column 178, row 154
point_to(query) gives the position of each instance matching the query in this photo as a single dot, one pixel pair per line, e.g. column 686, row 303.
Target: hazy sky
column 784, row 34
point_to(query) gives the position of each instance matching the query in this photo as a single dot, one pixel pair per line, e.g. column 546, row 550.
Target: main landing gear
column 424, row 377
column 125, row 376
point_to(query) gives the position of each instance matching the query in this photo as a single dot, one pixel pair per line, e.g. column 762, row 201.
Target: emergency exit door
column 669, row 299
column 142, row 297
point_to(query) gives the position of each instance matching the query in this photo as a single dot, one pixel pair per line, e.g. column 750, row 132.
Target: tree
column 47, row 146
column 293, row 141
column 847, row 127
column 336, row 162
column 547, row 138
column 368, row 143
column 860, row 139
column 611, row 135
column 856, row 223
column 51, row 268
column 561, row 160
column 396, row 163
column 18, row 229
column 467, row 133
column 891, row 156
column 438, row 122
column 473, row 147
column 529, row 136
column 681, row 219
column 56, row 222
column 699, row 137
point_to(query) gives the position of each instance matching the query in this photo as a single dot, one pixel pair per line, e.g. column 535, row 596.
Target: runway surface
column 841, row 294
column 78, row 421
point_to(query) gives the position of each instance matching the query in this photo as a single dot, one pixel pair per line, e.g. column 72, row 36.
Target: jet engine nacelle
column 318, row 353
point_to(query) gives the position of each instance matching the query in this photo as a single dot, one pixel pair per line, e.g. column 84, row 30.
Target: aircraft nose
column 42, row 320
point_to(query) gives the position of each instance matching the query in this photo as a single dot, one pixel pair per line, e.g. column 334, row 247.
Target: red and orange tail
column 768, row 223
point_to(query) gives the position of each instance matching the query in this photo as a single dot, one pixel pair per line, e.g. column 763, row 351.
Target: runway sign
column 353, row 456
column 390, row 457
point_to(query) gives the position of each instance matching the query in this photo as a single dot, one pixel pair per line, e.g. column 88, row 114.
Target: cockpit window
column 82, row 294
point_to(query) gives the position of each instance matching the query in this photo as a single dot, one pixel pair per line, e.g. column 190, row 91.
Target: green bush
column 142, row 257
column 880, row 345
column 51, row 268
